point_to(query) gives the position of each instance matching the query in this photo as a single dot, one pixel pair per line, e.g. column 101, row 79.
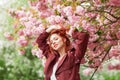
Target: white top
column 53, row 77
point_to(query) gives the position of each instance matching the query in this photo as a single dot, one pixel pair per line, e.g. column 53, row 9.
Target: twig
column 101, row 62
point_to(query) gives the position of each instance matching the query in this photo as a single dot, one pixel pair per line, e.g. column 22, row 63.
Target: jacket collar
column 61, row 61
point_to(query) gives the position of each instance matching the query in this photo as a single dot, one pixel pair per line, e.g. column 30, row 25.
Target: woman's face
column 56, row 41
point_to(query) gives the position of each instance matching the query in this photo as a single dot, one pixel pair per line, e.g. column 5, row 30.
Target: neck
column 62, row 51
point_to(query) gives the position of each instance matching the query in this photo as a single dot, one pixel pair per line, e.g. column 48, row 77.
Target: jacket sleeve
column 42, row 43
column 80, row 41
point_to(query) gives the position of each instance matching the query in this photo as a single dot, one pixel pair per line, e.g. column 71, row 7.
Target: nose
column 53, row 42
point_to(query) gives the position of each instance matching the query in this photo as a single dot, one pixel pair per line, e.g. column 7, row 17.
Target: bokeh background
column 17, row 66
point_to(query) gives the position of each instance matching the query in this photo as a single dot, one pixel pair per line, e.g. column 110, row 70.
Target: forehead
column 54, row 35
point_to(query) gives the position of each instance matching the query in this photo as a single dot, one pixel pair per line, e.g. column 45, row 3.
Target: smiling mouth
column 55, row 45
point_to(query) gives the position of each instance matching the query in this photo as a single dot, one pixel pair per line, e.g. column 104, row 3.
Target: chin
column 57, row 48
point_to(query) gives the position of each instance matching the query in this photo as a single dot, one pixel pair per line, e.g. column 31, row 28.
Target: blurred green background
column 14, row 66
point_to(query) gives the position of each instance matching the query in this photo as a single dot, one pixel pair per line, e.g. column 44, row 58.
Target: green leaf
column 99, row 32
column 103, row 1
column 2, row 63
column 57, row 13
column 79, row 29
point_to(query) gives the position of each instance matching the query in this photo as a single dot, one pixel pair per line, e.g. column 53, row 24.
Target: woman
column 63, row 56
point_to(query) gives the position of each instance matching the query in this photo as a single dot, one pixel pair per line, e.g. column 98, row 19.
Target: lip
column 55, row 45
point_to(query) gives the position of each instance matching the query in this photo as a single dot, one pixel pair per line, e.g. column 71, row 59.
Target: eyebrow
column 54, row 38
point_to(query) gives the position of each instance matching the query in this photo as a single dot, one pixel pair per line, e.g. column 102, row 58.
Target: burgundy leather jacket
column 68, row 67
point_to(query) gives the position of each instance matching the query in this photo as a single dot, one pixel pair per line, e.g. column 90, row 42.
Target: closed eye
column 55, row 38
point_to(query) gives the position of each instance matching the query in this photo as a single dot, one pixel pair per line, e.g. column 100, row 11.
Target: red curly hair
column 62, row 33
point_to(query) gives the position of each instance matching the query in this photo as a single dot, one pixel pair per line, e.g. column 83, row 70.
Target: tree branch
column 101, row 62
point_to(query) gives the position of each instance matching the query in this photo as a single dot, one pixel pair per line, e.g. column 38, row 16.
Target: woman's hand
column 53, row 27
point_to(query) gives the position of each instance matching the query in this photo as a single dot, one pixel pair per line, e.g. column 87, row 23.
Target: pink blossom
column 32, row 3
column 92, row 46
column 21, row 52
column 37, row 30
column 27, row 31
column 93, row 37
column 91, row 54
column 32, row 19
column 87, row 26
column 111, row 67
column 80, row 10
column 114, row 52
column 20, row 14
column 37, row 52
column 87, row 71
column 38, row 22
column 58, row 8
column 115, row 66
column 55, row 19
column 110, row 17
column 118, row 66
column 106, row 21
column 90, row 28
column 73, row 19
column 118, row 34
column 51, row 19
column 114, row 2
column 97, row 2
column 97, row 62
column 41, row 5
column 111, row 42
column 113, row 25
column 29, row 14
column 34, row 43
column 91, row 15
column 34, row 51
column 99, row 20
column 8, row 36
column 67, row 11
column 59, row 19
column 108, row 36
column 20, row 32
column 22, row 41
column 84, row 22
column 45, row 14
column 51, row 2
column 23, row 19
column 29, row 24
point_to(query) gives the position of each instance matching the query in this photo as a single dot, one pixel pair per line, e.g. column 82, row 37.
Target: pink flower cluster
column 37, row 52
column 115, row 51
column 8, row 36
column 87, row 71
column 114, row 2
column 101, row 24
column 22, row 41
column 114, row 67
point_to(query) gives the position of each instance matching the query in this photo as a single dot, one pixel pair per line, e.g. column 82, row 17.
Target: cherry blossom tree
column 100, row 18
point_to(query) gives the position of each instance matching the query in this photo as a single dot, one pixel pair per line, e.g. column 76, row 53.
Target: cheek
column 61, row 42
column 52, row 45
